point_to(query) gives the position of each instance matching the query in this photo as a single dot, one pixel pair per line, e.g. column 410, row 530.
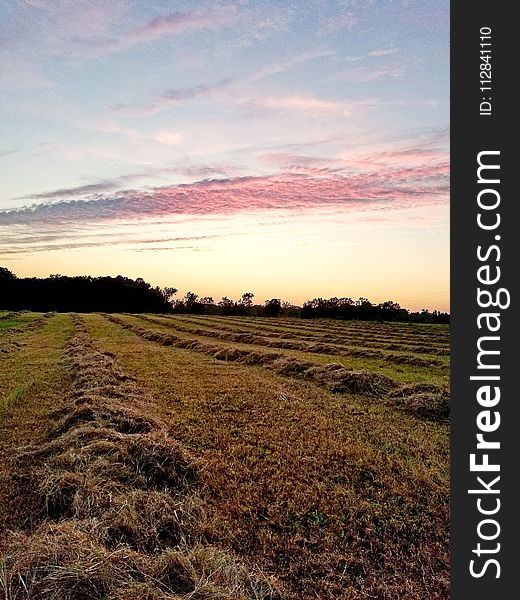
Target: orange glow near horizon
column 294, row 258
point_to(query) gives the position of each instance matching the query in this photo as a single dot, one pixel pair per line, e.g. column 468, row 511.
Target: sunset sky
column 293, row 149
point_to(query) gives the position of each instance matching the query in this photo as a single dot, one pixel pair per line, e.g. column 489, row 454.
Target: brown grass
column 363, row 330
column 108, row 507
column 333, row 376
column 314, row 348
column 425, row 400
column 339, row 495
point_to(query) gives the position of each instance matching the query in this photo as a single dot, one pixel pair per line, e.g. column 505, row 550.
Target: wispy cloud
column 196, row 171
column 345, row 21
column 91, row 188
column 411, row 157
column 167, row 137
column 8, row 151
column 183, row 22
column 378, row 52
column 400, row 185
column 174, row 96
column 171, row 97
column 282, row 66
column 304, row 103
column 95, row 27
column 43, row 242
column 369, row 73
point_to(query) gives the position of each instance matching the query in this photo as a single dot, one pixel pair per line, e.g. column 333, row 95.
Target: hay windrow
column 425, row 400
column 334, row 377
column 310, row 346
column 9, row 343
column 10, row 315
column 390, row 337
column 109, row 506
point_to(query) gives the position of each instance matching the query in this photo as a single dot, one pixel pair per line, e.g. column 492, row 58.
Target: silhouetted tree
column 272, row 307
column 169, row 293
column 247, row 299
column 80, row 294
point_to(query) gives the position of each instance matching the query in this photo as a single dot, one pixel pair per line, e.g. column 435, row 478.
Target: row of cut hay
column 12, row 314
column 416, row 332
column 8, row 341
column 109, row 507
column 335, row 325
column 302, row 346
column 8, row 345
column 32, row 325
column 249, row 326
column 334, row 377
column 425, row 400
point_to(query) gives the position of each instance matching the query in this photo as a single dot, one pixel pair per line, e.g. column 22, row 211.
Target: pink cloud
column 179, row 23
column 399, row 187
column 385, row 161
column 411, row 157
column 304, row 103
column 92, row 28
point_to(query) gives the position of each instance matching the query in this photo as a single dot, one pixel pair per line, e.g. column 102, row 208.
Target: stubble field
column 168, row 457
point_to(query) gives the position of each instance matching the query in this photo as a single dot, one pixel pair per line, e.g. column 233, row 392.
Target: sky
column 293, row 149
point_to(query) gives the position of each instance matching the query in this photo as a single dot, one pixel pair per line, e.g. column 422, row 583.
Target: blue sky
column 293, row 149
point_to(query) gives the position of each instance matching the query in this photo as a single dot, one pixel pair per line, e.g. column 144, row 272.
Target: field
column 160, row 457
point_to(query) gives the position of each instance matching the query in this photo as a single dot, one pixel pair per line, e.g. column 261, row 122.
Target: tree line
column 317, row 308
column 121, row 294
column 80, row 294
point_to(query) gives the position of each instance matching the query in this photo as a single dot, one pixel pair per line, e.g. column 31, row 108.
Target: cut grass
column 31, row 386
column 333, row 495
column 277, row 330
column 17, row 320
column 331, row 348
column 227, row 350
column 365, row 328
column 10, row 320
column 338, row 495
column 105, row 507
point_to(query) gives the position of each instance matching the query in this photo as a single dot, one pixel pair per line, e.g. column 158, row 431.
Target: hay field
column 185, row 457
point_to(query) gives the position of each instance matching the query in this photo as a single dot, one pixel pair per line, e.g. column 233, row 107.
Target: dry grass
column 313, row 348
column 343, row 337
column 332, row 376
column 367, row 330
column 428, row 401
column 60, row 561
column 108, row 506
column 166, row 474
column 337, row 494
